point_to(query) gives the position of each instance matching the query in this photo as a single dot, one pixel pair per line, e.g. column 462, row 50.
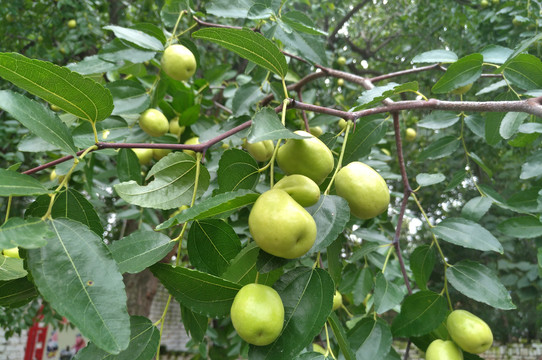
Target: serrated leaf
column 13, row 183
column 340, row 336
column 524, row 71
column 429, row 179
column 468, row 234
column 73, row 93
column 18, row 292
column 511, row 123
column 524, row 45
column 136, row 37
column 139, row 250
column 379, row 93
column 476, row 208
column 28, row 233
column 267, row 126
column 462, row 72
column 523, row 227
column 357, row 281
column 421, row 313
column 441, row 148
column 202, row 293
column 479, row 283
column 367, row 134
column 237, row 170
column 194, row 324
column 38, row 119
column 422, row 262
column 214, row 206
column 144, row 340
column 387, row 295
column 307, row 295
column 439, row 120
column 267, row 262
column 249, row 45
column 435, row 56
column 11, row 268
column 76, row 265
column 212, row 244
column 306, row 46
column 525, row 201
column 371, row 339
column 331, row 214
column 128, row 166
column 301, row 22
column 243, row 269
column 129, row 97
column 530, row 169
column 173, row 184
column 496, row 54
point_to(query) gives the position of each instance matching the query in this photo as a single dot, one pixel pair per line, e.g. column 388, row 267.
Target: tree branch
column 343, row 21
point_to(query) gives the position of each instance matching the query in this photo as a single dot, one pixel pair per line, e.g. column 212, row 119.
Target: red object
column 35, row 344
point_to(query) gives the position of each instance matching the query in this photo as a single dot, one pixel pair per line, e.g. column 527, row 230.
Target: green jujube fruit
column 470, row 332
column 280, row 226
column 301, row 188
column 309, row 157
column 365, row 190
column 443, row 350
column 261, row 150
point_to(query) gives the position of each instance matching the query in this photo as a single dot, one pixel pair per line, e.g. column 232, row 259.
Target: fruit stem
column 161, row 321
column 340, row 161
column 387, row 259
column 175, row 28
column 285, row 95
column 8, row 209
column 328, row 348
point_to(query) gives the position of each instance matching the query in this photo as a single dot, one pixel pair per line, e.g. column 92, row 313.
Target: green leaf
column 524, row 71
column 496, row 54
column 387, row 295
column 422, row 262
column 523, row 227
column 249, row 45
column 420, row 314
column 69, row 204
column 439, row 120
column 340, row 336
column 462, row 72
column 217, row 205
column 301, row 22
column 511, row 123
column 18, row 292
column 228, row 8
column 144, row 340
column 457, row 179
column 194, row 324
column 468, row 234
column 28, row 233
column 331, row 213
column 476, row 208
column 202, row 293
column 11, row 268
column 443, row 147
column 190, row 115
column 128, row 166
column 13, row 183
column 136, row 37
column 95, row 64
column 212, row 244
column 539, row 264
column 360, row 282
column 245, row 99
column 530, row 169
column 371, row 338
column 493, row 121
column 139, row 250
column 76, row 265
column 525, row 201
column 306, row 46
column 267, row 126
column 367, row 134
column 481, row 163
column 267, row 262
column 38, row 119
column 429, row 179
column 237, row 170
column 435, row 56
column 524, row 45
column 173, row 184
column 73, row 93
column 243, row 269
column 307, row 295
column 379, row 93
column 479, row 283
column 129, row 97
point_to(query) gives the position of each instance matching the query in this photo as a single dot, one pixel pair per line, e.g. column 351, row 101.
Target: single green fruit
column 342, row 124
column 53, row 176
column 318, row 348
column 341, row 61
column 337, row 300
column 192, row 141
column 280, row 226
column 178, row 62
column 484, row 4
column 496, row 1
column 365, row 190
column 516, row 22
column 157, row 154
column 175, row 128
column 10, row 18
column 54, row 107
column 257, row 314
column 144, row 155
column 443, row 350
column 72, row 24
column 470, row 332
column 309, row 157
column 153, row 122
column 301, row 188
column 12, row 253
column 316, row 131
column 340, row 82
column 461, row 90
column 410, row 134
column 261, row 150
